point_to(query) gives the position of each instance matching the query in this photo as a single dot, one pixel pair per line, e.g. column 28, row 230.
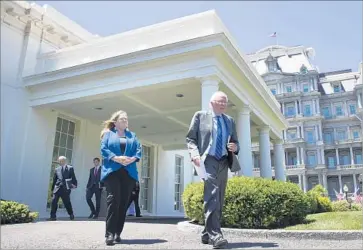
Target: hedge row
column 12, row 212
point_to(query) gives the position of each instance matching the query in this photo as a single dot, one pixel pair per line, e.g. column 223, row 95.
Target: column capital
column 209, row 80
column 244, row 109
column 263, row 129
column 278, row 141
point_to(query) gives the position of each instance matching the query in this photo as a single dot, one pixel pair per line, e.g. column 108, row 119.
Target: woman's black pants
column 119, row 187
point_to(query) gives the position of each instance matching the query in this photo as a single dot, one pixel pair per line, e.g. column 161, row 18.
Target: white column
column 345, row 108
column 355, row 182
column 348, row 133
column 351, row 156
column 332, row 109
column 283, row 108
column 300, row 181
column 302, row 156
column 279, row 161
column 210, row 85
column 297, row 156
column 284, row 132
column 325, row 181
column 313, row 107
column 300, row 106
column 318, row 152
column 322, row 156
column 265, row 154
column 337, row 156
column 244, row 138
column 296, row 111
column 340, row 184
column 305, row 182
column 315, row 84
column 302, row 130
column 320, row 179
column 318, row 106
column 359, row 100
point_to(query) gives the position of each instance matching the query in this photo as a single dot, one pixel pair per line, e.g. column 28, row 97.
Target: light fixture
column 143, row 126
column 345, row 189
column 98, row 108
column 179, row 95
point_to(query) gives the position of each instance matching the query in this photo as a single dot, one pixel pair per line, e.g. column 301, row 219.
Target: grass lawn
column 331, row 221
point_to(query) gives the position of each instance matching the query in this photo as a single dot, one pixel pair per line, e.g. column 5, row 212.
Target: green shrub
column 324, row 205
column 252, row 203
column 14, row 212
column 318, row 200
column 340, row 206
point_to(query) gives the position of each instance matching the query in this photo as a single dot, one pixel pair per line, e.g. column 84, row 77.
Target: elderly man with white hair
column 212, row 140
column 64, row 180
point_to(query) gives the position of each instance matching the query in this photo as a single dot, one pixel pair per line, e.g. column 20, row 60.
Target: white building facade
column 323, row 143
column 59, row 82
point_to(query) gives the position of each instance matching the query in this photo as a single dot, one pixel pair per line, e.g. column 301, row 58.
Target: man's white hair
column 62, row 158
column 218, row 93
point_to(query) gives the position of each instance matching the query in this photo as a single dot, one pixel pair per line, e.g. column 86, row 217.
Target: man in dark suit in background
column 64, row 180
column 94, row 186
column 135, row 198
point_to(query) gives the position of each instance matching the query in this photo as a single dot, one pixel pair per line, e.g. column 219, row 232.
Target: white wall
column 165, row 181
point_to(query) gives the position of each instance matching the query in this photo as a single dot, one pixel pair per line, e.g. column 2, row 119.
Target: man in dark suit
column 64, row 180
column 135, row 198
column 94, row 186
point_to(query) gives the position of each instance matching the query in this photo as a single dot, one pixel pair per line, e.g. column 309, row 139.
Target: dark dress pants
column 119, row 186
column 64, row 194
column 135, row 198
column 97, row 192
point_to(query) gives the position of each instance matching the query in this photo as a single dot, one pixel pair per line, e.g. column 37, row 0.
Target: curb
column 187, row 226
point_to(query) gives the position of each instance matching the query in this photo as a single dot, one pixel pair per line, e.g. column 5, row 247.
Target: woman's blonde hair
column 110, row 123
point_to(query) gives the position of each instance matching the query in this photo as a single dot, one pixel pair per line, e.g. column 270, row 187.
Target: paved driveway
column 137, row 234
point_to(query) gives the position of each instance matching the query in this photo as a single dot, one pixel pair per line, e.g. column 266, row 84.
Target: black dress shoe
column 139, row 215
column 71, row 217
column 90, row 216
column 95, row 216
column 205, row 239
column 51, row 219
column 220, row 243
column 118, row 239
column 110, row 240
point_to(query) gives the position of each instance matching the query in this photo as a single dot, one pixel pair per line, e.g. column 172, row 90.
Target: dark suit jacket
column 92, row 179
column 60, row 176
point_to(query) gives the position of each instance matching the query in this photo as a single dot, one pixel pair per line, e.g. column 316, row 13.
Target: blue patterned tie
column 219, row 146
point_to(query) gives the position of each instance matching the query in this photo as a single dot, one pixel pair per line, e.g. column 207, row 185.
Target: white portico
column 160, row 75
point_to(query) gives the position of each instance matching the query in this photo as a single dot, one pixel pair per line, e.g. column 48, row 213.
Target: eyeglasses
column 220, row 103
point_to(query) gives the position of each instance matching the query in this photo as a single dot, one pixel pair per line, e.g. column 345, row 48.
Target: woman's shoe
column 118, row 239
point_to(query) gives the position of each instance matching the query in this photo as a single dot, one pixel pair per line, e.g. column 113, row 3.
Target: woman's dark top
column 123, row 144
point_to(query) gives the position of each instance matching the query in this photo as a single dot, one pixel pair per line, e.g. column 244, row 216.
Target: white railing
column 350, row 166
column 293, row 167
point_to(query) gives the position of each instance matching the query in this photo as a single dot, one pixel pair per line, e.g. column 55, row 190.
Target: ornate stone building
column 323, row 143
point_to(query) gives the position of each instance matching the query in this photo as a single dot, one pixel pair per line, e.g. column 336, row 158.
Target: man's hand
column 232, row 147
column 196, row 161
column 74, row 186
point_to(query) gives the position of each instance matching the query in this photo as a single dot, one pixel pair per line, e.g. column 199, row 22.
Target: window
column 306, row 88
column 307, row 110
column 288, row 89
column 273, row 91
column 179, row 166
column 358, row 158
column 356, row 135
column 331, row 162
column 328, row 138
column 336, row 88
column 341, row 135
column 352, row 109
column 290, row 111
column 145, row 180
column 344, row 160
column 312, row 159
column 63, row 146
column 310, row 137
column 291, row 134
column 338, row 110
column 326, row 112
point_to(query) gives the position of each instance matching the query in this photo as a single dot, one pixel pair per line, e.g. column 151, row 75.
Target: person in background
column 135, row 198
column 64, row 180
column 94, row 186
column 120, row 149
